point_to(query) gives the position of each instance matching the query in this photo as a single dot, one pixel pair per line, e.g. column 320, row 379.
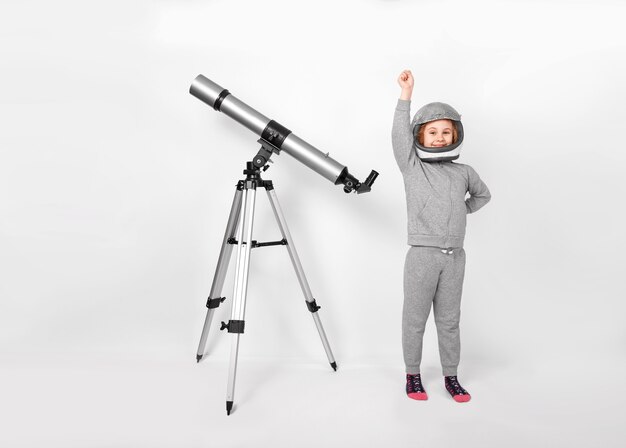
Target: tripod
column 241, row 220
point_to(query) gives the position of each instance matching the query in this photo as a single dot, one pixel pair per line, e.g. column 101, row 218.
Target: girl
column 436, row 208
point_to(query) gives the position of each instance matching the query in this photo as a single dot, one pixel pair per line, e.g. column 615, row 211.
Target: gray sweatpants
column 431, row 276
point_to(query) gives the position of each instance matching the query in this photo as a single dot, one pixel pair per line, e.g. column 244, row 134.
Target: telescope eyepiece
column 351, row 183
column 367, row 185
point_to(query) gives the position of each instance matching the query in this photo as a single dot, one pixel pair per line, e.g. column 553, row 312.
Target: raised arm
column 479, row 193
column 401, row 136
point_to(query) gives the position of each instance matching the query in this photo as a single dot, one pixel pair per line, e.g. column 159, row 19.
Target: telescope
column 274, row 137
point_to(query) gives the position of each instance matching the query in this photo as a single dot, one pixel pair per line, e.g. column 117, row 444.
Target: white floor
column 109, row 401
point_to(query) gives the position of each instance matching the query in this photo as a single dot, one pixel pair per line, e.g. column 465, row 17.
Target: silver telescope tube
column 223, row 101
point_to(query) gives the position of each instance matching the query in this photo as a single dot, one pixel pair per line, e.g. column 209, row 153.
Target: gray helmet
column 432, row 112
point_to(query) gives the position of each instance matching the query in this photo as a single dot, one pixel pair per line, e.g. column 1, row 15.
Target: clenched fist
column 406, row 82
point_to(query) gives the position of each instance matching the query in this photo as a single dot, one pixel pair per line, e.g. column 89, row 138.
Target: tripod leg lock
column 233, row 326
column 214, row 303
column 312, row 306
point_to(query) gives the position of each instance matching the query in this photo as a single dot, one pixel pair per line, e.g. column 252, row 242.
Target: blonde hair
column 422, row 129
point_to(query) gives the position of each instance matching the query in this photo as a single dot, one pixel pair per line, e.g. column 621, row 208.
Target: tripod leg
column 311, row 305
column 220, row 271
column 236, row 324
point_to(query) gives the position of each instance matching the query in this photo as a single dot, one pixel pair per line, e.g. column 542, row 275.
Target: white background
column 115, row 188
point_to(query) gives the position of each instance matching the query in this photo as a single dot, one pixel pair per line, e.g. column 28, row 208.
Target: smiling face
column 437, row 134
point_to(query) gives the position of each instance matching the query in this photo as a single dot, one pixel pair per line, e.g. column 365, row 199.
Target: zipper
column 450, row 213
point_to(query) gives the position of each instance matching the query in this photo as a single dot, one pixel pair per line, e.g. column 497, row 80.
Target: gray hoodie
column 435, row 192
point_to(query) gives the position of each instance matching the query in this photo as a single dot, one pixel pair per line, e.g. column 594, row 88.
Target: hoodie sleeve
column 479, row 193
column 401, row 137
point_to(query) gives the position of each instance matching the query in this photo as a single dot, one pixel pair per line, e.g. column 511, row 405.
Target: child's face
column 438, row 133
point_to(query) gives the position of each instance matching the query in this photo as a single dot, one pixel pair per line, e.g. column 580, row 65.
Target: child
column 436, row 209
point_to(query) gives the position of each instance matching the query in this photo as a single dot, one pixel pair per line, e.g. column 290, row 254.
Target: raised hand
column 405, row 80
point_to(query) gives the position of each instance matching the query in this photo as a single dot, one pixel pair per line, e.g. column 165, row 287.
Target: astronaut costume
column 436, row 210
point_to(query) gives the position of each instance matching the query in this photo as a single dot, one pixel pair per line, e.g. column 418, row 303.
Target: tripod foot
column 334, row 366
column 229, row 406
column 198, row 358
